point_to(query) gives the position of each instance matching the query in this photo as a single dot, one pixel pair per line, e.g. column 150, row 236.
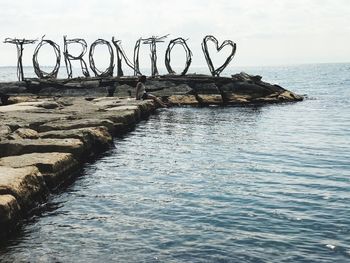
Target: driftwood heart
column 217, row 71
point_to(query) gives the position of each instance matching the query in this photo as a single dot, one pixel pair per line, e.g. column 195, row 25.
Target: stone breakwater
column 43, row 140
column 192, row 89
column 46, row 136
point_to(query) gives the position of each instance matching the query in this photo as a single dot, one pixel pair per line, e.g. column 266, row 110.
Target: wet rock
column 183, row 100
column 55, row 167
column 25, row 184
column 95, row 139
column 9, row 213
column 19, row 147
column 236, row 99
column 289, row 96
column 212, row 99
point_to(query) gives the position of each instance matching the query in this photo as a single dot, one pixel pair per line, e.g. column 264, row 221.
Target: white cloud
column 267, row 32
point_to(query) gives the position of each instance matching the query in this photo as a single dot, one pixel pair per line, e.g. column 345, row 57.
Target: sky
column 267, row 32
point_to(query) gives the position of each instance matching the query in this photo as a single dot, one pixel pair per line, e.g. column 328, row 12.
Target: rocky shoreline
column 52, row 128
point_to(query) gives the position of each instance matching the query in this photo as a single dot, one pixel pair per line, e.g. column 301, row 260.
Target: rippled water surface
column 238, row 184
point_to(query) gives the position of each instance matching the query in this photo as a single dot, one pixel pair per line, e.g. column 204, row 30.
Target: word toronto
column 120, row 55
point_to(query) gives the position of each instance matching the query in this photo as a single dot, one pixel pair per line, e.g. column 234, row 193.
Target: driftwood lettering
column 19, row 45
column 40, row 73
column 121, row 55
column 109, row 70
column 69, row 57
column 172, row 43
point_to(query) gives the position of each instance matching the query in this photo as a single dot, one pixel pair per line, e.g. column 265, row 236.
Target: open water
column 237, row 184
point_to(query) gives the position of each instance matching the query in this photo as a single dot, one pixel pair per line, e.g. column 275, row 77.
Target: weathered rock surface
column 24, row 133
column 209, row 99
column 25, row 184
column 95, row 138
column 183, row 100
column 54, row 166
column 18, row 147
column 9, row 213
column 4, row 131
column 76, row 124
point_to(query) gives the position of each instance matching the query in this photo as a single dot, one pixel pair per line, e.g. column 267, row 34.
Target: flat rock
column 126, row 117
column 17, row 107
column 30, row 105
column 76, row 124
column 53, row 166
column 236, row 99
column 95, row 138
column 124, row 107
column 25, row 184
column 19, row 147
column 211, row 99
column 107, row 102
column 183, row 100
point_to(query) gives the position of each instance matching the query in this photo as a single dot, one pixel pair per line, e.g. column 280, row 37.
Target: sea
column 264, row 183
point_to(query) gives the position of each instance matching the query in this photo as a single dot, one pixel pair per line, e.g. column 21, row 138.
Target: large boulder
column 9, row 213
column 55, row 167
column 26, row 184
column 179, row 89
column 206, row 88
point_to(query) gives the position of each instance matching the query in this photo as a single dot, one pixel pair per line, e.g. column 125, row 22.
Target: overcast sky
column 267, row 32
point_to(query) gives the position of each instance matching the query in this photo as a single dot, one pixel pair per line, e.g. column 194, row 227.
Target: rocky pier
column 49, row 128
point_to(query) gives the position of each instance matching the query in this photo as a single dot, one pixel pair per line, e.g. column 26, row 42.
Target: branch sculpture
column 121, row 54
column 40, row 73
column 216, row 72
column 19, row 45
column 183, row 43
column 109, row 70
column 68, row 57
column 152, row 42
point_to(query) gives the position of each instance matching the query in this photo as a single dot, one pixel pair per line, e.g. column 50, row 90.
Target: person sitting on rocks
column 142, row 94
